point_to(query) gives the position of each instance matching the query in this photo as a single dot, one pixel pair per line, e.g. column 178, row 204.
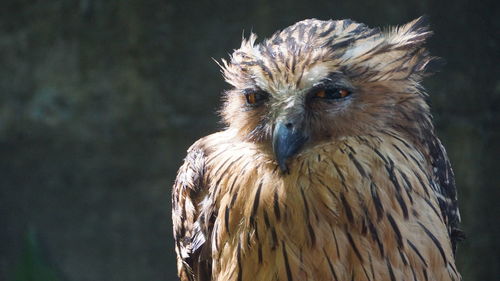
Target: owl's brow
column 334, row 79
column 250, row 90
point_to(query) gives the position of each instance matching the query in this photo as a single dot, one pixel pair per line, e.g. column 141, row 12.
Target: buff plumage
column 368, row 194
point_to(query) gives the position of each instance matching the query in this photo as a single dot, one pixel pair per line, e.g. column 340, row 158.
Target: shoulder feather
column 445, row 189
column 189, row 223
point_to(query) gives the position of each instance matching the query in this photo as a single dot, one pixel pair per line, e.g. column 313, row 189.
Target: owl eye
column 332, row 94
column 255, row 98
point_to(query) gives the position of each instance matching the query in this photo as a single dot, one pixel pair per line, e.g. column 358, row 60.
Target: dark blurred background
column 99, row 100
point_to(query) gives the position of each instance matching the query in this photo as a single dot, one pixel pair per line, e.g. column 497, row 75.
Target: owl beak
column 288, row 139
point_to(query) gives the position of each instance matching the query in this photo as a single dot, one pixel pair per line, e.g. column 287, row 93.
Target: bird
column 328, row 166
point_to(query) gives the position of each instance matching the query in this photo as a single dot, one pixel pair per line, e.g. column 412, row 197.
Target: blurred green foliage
column 32, row 266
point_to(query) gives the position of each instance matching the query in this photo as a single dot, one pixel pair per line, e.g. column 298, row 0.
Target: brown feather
column 371, row 194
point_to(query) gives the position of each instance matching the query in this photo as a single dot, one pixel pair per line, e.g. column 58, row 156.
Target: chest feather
column 356, row 209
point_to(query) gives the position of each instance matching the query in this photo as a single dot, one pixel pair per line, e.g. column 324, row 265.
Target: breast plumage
column 329, row 168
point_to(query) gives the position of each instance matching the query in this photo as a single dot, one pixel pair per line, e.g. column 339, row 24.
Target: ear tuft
column 432, row 65
column 419, row 25
column 411, row 34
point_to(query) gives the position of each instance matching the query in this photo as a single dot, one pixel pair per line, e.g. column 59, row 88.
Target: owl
column 328, row 168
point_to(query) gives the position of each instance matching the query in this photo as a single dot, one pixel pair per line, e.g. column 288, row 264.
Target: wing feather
column 192, row 218
column 445, row 189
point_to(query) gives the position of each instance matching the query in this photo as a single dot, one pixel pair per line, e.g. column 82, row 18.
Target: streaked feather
column 370, row 197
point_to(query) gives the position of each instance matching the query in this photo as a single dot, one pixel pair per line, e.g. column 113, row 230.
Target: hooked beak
column 288, row 139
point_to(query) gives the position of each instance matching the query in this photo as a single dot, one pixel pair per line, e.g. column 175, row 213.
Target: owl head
column 317, row 81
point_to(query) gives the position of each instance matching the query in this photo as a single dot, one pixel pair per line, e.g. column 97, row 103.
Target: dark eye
column 255, row 98
column 331, row 94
